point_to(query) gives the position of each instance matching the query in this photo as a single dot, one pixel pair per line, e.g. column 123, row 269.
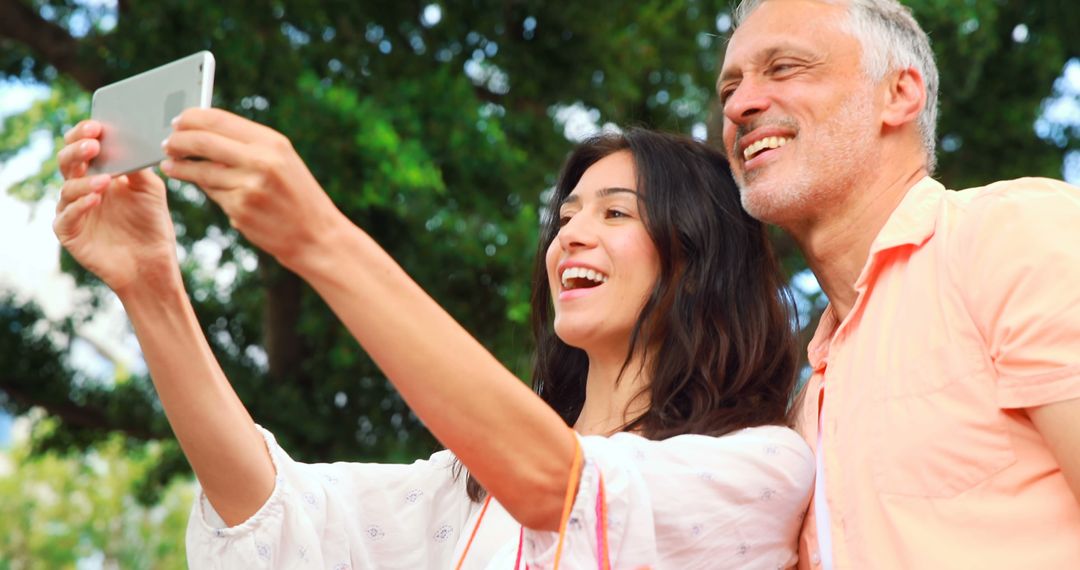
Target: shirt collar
column 911, row 223
column 914, row 219
column 817, row 350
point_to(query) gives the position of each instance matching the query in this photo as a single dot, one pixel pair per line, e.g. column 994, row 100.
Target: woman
column 662, row 340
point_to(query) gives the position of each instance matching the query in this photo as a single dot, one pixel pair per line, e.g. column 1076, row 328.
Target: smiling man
column 944, row 404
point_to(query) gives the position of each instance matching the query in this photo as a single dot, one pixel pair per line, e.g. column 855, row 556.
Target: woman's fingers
column 141, row 179
column 88, row 129
column 206, row 145
column 221, row 122
column 74, row 159
column 77, row 188
column 210, row 176
column 70, row 219
column 81, row 147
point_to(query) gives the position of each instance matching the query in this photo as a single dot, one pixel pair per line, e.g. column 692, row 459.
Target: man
column 944, row 404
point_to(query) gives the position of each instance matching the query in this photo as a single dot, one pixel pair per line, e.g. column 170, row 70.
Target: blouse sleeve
column 691, row 501
column 339, row 516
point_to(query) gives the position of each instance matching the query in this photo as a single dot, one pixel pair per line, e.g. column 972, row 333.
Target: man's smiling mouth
column 765, row 144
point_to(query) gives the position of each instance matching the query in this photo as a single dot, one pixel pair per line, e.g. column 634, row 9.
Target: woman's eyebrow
column 605, row 192
column 601, row 193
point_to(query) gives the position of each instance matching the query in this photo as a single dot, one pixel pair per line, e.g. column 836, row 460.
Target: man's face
column 801, row 122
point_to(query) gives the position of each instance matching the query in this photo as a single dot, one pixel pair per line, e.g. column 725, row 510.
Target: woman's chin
column 589, row 338
column 575, row 336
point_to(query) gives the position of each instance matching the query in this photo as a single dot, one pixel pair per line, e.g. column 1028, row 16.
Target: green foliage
column 437, row 138
column 65, row 105
column 60, row 509
column 993, row 86
column 35, row 372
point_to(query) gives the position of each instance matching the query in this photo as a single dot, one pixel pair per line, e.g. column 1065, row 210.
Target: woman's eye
column 617, row 214
column 563, row 220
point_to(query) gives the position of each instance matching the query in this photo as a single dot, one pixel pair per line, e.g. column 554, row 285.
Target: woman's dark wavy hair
column 716, row 332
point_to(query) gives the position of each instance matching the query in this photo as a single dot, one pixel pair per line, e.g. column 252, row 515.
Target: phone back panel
column 137, row 112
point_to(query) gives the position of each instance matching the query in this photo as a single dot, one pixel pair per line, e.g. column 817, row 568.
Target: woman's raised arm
column 512, row 442
column 119, row 228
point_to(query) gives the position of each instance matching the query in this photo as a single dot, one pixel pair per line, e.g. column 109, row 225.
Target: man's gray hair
column 891, row 39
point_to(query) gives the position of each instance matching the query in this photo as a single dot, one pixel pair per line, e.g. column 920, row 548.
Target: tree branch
column 49, row 41
column 281, row 320
column 72, row 415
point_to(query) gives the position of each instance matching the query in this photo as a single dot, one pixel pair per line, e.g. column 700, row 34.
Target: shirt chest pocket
column 939, row 443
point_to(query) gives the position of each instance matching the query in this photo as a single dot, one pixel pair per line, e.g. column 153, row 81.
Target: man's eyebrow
column 601, row 193
column 727, row 75
column 765, row 55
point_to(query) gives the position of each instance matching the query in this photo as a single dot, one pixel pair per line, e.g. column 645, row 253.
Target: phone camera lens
column 200, row 67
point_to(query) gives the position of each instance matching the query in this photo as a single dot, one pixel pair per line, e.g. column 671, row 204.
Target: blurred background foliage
column 437, row 127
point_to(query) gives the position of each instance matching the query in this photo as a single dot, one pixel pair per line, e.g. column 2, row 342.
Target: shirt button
column 815, row 559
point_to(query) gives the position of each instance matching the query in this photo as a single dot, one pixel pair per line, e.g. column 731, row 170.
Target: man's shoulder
column 1011, row 221
column 1016, row 192
column 1025, row 205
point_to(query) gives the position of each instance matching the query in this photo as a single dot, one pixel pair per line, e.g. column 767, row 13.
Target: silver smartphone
column 137, row 112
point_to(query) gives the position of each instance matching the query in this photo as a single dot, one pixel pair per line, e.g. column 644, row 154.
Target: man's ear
column 905, row 98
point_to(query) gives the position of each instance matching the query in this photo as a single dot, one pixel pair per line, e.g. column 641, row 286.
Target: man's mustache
column 755, row 124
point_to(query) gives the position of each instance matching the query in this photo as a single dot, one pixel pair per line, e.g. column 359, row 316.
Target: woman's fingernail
column 166, row 165
column 165, row 142
column 100, row 181
column 175, row 120
column 85, row 146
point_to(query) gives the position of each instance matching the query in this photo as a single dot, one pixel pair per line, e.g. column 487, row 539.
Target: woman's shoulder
column 760, row 449
column 766, row 435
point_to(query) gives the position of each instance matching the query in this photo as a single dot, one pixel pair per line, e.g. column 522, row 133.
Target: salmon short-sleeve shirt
column 968, row 311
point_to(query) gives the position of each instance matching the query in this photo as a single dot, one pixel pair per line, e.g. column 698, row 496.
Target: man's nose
column 747, row 101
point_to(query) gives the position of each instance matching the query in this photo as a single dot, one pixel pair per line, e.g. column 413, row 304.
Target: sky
column 29, row 254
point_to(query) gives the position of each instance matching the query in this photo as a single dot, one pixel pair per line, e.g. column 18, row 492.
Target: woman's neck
column 612, row 401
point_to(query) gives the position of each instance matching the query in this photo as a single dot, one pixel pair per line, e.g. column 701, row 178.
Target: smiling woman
column 706, row 338
column 662, row 341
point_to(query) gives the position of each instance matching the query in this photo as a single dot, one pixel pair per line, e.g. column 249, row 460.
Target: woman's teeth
column 595, row 277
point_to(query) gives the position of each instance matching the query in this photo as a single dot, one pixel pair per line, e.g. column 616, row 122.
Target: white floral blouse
column 691, row 501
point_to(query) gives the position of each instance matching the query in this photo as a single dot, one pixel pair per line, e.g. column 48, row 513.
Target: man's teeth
column 763, row 144
column 582, row 273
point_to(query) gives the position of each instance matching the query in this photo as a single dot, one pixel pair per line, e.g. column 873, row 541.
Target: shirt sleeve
column 1018, row 264
column 340, row 516
column 691, row 501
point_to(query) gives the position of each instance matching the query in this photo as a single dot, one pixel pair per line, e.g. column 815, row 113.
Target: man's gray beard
column 815, row 184
column 774, row 205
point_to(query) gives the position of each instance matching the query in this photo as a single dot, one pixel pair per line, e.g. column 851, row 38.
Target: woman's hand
column 118, row 228
column 256, row 177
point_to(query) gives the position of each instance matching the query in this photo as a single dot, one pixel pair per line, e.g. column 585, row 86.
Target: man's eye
column 726, row 94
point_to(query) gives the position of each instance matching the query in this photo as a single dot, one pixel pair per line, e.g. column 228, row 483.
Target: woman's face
column 602, row 265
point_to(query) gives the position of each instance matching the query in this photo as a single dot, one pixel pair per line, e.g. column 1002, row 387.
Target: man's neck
column 836, row 245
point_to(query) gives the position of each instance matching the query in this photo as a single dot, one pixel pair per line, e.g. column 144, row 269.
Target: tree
column 61, row 510
column 432, row 128
column 437, row 128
